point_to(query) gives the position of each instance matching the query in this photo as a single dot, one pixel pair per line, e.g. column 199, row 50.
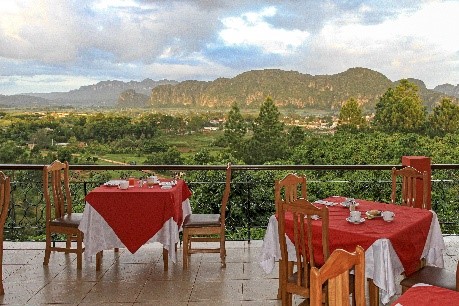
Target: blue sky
column 55, row 45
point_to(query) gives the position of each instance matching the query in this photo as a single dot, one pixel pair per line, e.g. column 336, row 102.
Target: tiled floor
column 139, row 279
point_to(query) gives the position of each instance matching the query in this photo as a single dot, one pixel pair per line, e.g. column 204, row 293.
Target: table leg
column 98, row 260
column 373, row 292
column 165, row 259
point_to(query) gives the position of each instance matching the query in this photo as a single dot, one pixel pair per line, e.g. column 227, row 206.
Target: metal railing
column 252, row 193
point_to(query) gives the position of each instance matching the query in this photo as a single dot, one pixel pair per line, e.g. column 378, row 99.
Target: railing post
column 249, row 206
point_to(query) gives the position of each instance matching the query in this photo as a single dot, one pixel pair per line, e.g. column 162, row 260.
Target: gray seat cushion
column 201, row 220
column 71, row 220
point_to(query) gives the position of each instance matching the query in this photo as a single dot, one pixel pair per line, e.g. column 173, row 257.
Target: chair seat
column 200, row 220
column 68, row 220
column 432, row 276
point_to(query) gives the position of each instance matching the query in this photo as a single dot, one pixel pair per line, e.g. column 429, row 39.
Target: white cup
column 124, row 185
column 388, row 215
column 355, row 216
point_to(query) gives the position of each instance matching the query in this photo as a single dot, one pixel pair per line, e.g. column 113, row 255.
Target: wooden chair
column 289, row 187
column 410, row 178
column 60, row 219
column 207, row 228
column 335, row 271
column 5, row 188
column 433, row 276
column 298, row 282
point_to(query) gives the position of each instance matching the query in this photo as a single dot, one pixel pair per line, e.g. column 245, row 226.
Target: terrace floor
column 139, row 279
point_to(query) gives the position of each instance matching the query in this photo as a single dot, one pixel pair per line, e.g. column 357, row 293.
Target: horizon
column 50, row 46
column 139, row 81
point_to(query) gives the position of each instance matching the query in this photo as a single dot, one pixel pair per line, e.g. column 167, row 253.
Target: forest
column 399, row 126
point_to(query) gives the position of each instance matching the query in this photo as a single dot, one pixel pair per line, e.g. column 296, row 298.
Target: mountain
column 21, row 101
column 288, row 89
column 448, row 89
column 105, row 93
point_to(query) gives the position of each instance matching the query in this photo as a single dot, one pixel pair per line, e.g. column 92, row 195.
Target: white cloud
column 251, row 29
column 408, row 45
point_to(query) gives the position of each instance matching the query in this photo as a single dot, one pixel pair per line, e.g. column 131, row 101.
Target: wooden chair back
column 410, row 178
column 336, row 272
column 286, row 190
column 5, row 188
column 303, row 214
column 56, row 190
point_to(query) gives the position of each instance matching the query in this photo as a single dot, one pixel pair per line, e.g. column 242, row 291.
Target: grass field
column 188, row 145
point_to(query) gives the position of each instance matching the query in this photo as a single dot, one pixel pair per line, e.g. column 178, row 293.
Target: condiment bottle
column 352, row 205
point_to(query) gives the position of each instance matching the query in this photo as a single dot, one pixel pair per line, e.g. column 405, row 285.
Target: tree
column 295, row 136
column 350, row 115
column 268, row 142
column 400, row 109
column 445, row 117
column 234, row 131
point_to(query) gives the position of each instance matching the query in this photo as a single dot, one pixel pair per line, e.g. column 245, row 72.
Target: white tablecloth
column 381, row 262
column 99, row 236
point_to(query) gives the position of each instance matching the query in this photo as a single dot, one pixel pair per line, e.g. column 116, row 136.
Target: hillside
column 105, row 93
column 289, row 89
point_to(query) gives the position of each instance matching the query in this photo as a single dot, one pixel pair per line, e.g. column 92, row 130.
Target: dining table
column 391, row 248
column 131, row 217
column 427, row 295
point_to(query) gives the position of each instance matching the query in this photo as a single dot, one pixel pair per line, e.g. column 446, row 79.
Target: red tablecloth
column 428, row 296
column 137, row 214
column 407, row 233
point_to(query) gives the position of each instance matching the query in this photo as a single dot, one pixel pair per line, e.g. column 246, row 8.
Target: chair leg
column 68, row 244
column 223, row 251
column 116, row 250
column 185, row 249
column 373, row 293
column 47, row 250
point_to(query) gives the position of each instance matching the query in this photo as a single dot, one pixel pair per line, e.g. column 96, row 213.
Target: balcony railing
column 252, row 193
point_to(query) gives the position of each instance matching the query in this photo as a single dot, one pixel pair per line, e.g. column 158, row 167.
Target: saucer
column 326, row 203
column 348, row 219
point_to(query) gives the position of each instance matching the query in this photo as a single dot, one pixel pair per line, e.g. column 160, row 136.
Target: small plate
column 373, row 214
column 113, row 183
column 326, row 203
column 348, row 219
column 166, row 187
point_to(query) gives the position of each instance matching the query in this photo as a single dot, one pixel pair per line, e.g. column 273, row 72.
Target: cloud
column 252, row 29
column 203, row 39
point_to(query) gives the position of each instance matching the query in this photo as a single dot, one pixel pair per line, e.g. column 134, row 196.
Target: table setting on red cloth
column 137, row 213
column 390, row 247
column 131, row 217
column 426, row 295
column 407, row 232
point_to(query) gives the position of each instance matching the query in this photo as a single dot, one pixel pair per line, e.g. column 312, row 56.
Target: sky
column 60, row 45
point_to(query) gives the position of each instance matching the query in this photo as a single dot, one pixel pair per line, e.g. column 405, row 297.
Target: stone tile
column 260, row 289
column 229, row 290
column 62, row 293
column 212, row 271
column 113, row 292
column 178, row 291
